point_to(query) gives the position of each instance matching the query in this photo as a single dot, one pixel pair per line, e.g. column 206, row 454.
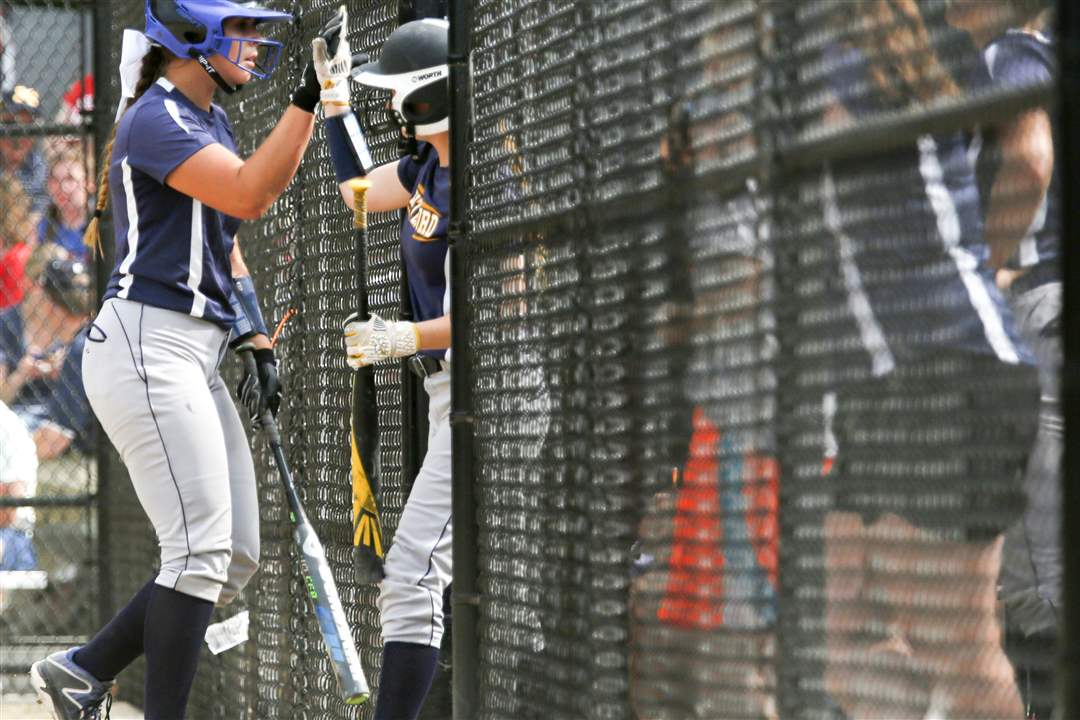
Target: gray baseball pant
column 151, row 376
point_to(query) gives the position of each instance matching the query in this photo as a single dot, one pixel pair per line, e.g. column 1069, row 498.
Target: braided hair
column 152, row 66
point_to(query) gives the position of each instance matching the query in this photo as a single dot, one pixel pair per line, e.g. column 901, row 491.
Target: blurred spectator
column 76, row 104
column 41, row 354
column 65, row 218
column 18, row 478
column 19, row 156
column 16, row 231
column 7, row 55
column 1020, row 193
column 926, row 476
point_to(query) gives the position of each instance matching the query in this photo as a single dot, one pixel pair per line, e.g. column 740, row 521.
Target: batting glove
column 306, row 97
column 263, row 390
column 332, row 69
column 370, row 341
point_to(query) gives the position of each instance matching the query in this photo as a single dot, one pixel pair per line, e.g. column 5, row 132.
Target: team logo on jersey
column 423, row 216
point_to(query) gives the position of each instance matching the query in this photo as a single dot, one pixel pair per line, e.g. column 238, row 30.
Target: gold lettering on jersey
column 423, row 217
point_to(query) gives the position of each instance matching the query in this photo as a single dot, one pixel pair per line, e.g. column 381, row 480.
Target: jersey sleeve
column 1018, row 64
column 407, row 172
column 162, row 136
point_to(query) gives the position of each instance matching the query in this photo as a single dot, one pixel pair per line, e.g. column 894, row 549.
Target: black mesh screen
column 753, row 410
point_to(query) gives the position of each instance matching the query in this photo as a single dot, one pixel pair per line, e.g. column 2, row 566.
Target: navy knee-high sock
column 121, row 641
column 407, row 670
column 175, row 628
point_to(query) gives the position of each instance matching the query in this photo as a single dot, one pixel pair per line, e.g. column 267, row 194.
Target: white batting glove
column 333, row 72
column 371, row 341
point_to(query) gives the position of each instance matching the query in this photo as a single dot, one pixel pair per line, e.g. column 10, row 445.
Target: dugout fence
column 683, row 220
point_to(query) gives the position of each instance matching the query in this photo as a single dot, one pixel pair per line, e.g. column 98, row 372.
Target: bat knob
column 367, row 567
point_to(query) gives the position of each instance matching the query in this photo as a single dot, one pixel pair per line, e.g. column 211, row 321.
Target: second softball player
column 413, row 67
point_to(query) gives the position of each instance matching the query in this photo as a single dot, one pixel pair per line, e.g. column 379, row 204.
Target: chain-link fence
column 48, row 514
column 762, row 300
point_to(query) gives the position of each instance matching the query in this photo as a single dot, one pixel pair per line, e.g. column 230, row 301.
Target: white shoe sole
column 43, row 696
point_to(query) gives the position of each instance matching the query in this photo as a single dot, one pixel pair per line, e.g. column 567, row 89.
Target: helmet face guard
column 195, row 29
column 265, row 63
column 419, row 98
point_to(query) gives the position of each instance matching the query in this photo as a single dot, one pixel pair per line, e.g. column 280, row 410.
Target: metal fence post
column 1068, row 681
column 465, row 594
column 101, row 127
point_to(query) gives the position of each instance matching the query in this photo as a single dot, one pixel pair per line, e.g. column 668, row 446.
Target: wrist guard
column 348, row 148
column 245, row 303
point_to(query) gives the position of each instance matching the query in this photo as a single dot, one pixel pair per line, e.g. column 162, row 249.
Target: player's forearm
column 1014, row 202
column 433, row 334
column 1020, row 187
column 266, row 174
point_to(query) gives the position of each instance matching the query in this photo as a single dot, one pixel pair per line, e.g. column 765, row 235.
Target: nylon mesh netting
column 750, row 413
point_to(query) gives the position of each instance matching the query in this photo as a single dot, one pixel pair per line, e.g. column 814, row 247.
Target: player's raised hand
column 370, row 341
column 332, row 66
column 333, row 31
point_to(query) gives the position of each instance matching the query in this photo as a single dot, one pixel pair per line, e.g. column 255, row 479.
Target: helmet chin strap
column 408, row 142
column 205, row 65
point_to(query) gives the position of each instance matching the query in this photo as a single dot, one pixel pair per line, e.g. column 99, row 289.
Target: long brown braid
column 152, row 66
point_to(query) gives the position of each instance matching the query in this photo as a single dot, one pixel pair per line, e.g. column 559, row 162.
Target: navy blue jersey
column 172, row 251
column 423, row 235
column 907, row 227
column 1021, row 59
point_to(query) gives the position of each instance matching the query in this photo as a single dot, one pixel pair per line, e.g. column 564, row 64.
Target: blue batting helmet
column 194, row 28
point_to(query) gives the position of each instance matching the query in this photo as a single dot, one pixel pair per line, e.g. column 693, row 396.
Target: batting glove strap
column 371, row 341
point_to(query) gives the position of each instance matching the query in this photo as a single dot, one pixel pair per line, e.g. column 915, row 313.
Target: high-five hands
column 330, row 50
column 332, row 65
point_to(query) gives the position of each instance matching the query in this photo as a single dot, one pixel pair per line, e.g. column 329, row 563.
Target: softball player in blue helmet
column 413, row 68
column 178, row 297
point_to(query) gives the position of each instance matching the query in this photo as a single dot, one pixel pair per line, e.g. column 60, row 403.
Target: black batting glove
column 306, row 96
column 262, row 391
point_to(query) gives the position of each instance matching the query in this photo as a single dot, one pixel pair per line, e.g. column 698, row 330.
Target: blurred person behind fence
column 20, row 156
column 64, row 220
column 1020, row 191
column 703, row 593
column 7, row 53
column 40, row 351
column 927, row 474
column 18, row 478
column 76, row 107
column 16, row 240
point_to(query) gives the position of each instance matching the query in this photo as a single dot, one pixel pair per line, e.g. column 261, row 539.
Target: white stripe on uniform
column 195, row 259
column 873, row 337
column 132, row 233
column 949, row 228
